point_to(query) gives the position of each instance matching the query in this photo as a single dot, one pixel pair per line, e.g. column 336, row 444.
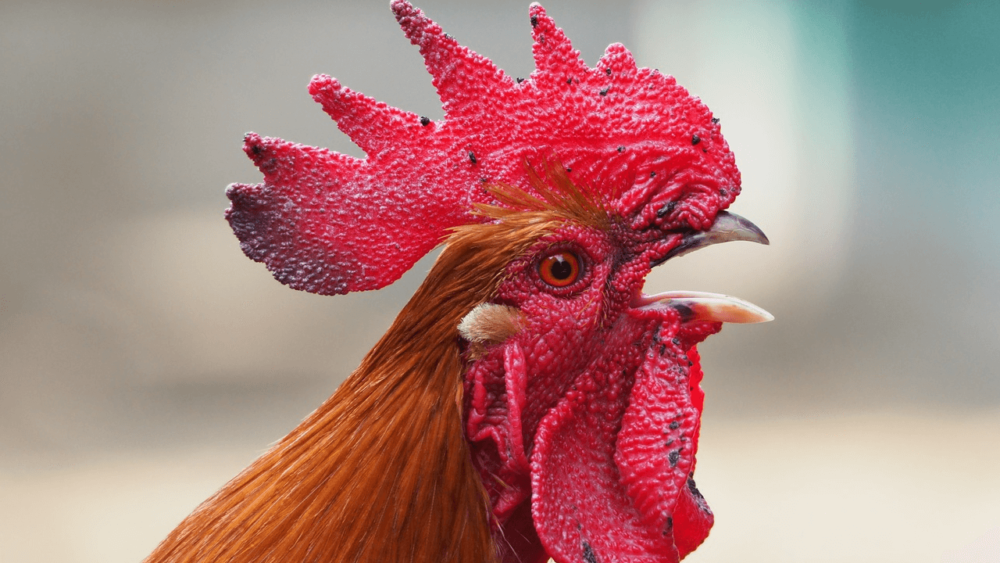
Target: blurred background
column 144, row 360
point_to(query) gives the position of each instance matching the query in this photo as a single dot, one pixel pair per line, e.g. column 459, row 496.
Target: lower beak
column 701, row 306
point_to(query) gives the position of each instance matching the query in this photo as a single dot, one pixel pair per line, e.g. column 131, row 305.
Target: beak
column 727, row 227
column 701, row 306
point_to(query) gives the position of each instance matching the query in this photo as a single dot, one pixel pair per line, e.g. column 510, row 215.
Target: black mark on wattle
column 698, row 498
column 695, row 139
column 673, row 457
column 694, row 488
column 472, row 157
column 685, row 312
column 604, row 91
column 588, row 553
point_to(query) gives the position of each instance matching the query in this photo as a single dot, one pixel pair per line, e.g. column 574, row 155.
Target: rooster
column 529, row 402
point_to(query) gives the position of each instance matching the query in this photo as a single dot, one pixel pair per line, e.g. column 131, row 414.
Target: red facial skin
column 591, row 413
column 584, row 426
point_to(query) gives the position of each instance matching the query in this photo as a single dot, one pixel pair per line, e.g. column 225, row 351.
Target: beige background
column 144, row 360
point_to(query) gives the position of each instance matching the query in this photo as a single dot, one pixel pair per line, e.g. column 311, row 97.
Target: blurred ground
column 144, row 360
column 865, row 487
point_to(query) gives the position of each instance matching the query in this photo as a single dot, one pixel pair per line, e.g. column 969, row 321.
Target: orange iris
column 559, row 269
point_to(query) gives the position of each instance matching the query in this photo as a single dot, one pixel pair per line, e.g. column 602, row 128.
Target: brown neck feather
column 380, row 472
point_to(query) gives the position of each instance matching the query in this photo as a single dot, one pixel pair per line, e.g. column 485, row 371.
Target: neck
column 380, row 471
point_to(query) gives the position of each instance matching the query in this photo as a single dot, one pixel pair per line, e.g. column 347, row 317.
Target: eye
column 559, row 269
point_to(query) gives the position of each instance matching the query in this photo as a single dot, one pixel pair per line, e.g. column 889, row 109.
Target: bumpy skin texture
column 584, row 425
column 591, row 413
column 329, row 223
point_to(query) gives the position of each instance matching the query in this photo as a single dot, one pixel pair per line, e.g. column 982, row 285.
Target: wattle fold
column 612, row 462
column 657, row 445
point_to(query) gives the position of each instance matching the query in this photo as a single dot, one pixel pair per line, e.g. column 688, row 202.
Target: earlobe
column 490, row 323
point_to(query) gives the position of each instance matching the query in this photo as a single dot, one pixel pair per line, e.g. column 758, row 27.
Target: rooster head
column 580, row 395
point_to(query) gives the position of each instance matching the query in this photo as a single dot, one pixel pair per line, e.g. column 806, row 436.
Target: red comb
column 329, row 223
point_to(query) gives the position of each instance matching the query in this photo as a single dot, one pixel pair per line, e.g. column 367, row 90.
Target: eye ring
column 559, row 269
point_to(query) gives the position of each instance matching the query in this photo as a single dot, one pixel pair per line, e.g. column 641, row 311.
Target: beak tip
column 757, row 235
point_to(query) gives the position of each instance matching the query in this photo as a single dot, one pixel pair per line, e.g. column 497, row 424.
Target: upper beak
column 700, row 306
column 727, row 227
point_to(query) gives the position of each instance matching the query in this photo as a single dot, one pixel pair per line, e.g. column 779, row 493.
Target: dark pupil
column 561, row 268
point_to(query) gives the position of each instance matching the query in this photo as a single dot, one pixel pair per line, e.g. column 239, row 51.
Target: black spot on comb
column 695, row 139
column 425, row 121
column 667, row 209
column 472, row 157
column 534, row 21
column 604, row 91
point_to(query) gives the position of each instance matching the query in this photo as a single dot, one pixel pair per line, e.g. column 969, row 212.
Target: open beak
column 701, row 306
